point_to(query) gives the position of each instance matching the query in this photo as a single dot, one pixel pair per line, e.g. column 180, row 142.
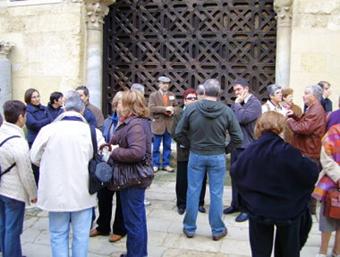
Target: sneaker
column 155, row 169
column 218, row 237
column 168, row 169
column 180, row 210
column 188, row 234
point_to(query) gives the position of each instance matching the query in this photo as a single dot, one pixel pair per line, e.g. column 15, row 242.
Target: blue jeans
column 156, row 154
column 215, row 167
column 59, row 224
column 132, row 201
column 11, row 222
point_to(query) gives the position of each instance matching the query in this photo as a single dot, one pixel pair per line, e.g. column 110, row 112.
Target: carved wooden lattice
column 189, row 41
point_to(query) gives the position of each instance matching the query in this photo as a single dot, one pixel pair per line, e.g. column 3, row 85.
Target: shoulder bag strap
column 94, row 140
column 10, row 167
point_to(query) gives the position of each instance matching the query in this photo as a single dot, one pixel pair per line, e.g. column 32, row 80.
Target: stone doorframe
column 96, row 10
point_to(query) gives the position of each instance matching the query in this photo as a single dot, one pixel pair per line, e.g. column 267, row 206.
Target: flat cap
column 164, row 79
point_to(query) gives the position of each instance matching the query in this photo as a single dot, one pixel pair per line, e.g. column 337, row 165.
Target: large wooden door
column 189, row 41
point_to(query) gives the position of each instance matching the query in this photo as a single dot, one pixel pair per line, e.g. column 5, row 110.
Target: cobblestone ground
column 164, row 228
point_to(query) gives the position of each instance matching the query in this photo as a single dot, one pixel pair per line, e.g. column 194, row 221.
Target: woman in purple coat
column 133, row 139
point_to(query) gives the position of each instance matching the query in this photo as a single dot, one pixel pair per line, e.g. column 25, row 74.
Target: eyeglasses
column 191, row 98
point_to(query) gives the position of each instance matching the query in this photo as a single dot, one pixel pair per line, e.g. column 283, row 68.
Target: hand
column 170, row 110
column 106, row 153
column 34, row 200
column 289, row 113
column 241, row 97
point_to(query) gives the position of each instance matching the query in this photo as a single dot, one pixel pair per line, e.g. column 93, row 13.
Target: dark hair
column 84, row 89
column 242, row 82
column 28, row 95
column 188, row 91
column 13, row 109
column 322, row 83
column 55, row 96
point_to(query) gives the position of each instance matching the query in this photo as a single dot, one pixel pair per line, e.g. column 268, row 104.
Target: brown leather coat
column 308, row 130
column 161, row 121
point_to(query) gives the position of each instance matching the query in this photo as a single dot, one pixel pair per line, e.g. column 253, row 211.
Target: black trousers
column 290, row 236
column 182, row 185
column 105, row 198
column 234, row 190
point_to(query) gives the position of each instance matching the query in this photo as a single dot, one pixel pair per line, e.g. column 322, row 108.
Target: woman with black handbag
column 132, row 168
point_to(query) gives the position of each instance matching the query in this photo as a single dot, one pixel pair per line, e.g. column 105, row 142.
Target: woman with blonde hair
column 275, row 183
column 133, row 137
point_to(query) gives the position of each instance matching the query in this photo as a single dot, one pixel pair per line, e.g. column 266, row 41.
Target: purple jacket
column 134, row 139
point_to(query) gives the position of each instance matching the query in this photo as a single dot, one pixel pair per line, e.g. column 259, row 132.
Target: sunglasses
column 191, row 98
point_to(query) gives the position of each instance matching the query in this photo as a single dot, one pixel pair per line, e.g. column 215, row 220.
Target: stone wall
column 49, row 42
column 315, row 46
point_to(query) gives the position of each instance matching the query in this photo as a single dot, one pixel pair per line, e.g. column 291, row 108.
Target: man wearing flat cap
column 161, row 104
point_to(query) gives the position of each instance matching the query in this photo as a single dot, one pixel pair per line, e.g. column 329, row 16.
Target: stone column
column 283, row 9
column 96, row 10
column 5, row 73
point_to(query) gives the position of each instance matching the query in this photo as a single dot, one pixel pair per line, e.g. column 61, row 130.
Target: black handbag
column 100, row 173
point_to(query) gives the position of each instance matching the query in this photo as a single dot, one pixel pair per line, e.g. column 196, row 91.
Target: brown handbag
column 332, row 204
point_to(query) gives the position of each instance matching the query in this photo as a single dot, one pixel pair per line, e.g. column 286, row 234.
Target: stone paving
column 164, row 230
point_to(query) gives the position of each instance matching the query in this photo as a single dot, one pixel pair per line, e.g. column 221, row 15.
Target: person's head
column 132, row 103
column 73, row 102
column 57, row 99
column 326, row 92
column 189, row 96
column 200, row 91
column 312, row 94
column 164, row 83
column 270, row 122
column 287, row 95
column 115, row 100
column 240, row 87
column 212, row 88
column 32, row 96
column 84, row 93
column 275, row 93
column 15, row 112
column 138, row 88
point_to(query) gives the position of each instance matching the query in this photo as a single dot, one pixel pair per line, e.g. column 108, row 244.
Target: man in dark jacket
column 203, row 128
column 55, row 105
column 247, row 109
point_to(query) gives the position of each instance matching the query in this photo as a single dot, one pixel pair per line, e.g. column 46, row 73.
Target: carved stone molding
column 5, row 48
column 96, row 10
column 283, row 8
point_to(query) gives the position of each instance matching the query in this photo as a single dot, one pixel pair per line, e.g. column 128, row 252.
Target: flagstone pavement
column 164, row 230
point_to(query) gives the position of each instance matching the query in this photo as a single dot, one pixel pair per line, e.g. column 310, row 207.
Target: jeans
column 11, row 223
column 132, row 200
column 215, row 167
column 59, row 225
column 156, row 154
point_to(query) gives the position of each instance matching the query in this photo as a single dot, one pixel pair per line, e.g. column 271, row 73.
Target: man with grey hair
column 310, row 128
column 202, row 129
column 63, row 150
column 200, row 92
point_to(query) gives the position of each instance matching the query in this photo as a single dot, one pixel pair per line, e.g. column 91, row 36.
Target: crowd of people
column 279, row 152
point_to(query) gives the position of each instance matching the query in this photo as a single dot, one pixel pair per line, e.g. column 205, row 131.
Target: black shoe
column 230, row 210
column 242, row 217
column 180, row 210
column 188, row 234
column 218, row 237
column 123, row 255
column 202, row 209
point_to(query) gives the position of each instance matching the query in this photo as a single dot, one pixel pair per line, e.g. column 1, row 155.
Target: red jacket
column 309, row 130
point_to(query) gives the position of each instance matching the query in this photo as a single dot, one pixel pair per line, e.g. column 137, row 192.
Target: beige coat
column 160, row 120
column 63, row 150
column 19, row 182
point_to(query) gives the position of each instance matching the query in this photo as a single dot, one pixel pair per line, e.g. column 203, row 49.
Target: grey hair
column 138, row 88
column 212, row 87
column 73, row 102
column 316, row 91
column 200, row 90
column 272, row 88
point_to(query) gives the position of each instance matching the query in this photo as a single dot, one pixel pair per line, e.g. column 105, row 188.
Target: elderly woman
column 133, row 137
column 275, row 183
column 274, row 102
column 189, row 96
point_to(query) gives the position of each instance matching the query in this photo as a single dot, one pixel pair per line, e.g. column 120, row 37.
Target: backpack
column 10, row 167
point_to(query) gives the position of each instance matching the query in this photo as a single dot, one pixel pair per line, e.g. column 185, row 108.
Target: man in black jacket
column 203, row 128
column 247, row 109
